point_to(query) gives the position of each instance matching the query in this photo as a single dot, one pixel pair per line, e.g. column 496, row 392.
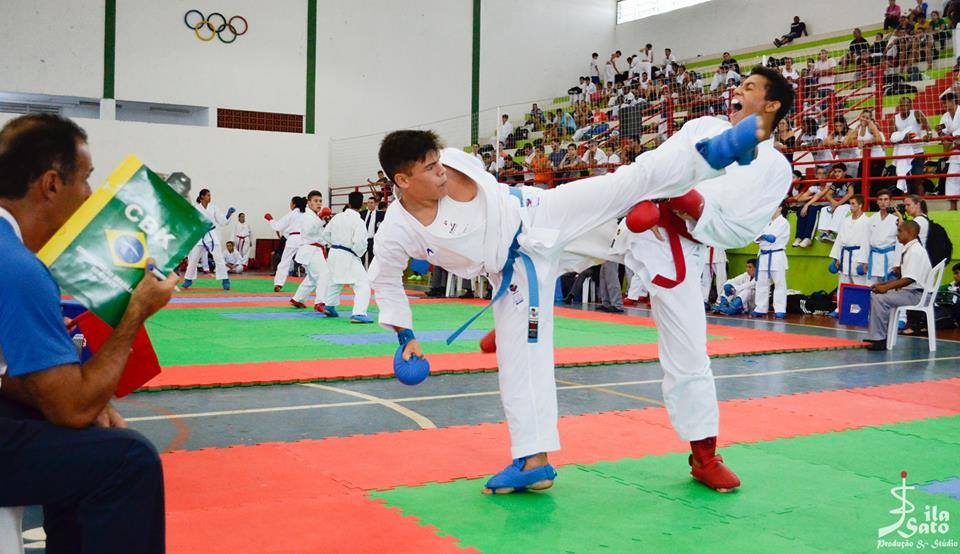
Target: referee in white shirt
column 914, row 271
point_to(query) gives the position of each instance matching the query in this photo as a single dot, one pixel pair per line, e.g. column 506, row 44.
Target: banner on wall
column 100, row 253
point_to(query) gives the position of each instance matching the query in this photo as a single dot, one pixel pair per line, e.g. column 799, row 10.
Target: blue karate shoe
column 514, row 479
column 780, row 315
column 226, row 284
column 757, row 314
column 360, row 318
column 187, row 283
column 330, row 311
column 834, row 314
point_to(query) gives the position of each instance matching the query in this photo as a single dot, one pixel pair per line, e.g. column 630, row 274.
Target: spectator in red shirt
column 891, row 18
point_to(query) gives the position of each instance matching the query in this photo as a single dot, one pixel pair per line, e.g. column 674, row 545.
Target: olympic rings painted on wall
column 215, row 25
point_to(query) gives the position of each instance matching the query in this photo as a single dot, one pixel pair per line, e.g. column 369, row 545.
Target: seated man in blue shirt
column 62, row 445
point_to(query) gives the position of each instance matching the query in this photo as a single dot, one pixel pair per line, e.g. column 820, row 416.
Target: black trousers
column 101, row 489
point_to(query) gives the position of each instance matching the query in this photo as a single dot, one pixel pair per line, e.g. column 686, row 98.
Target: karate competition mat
column 284, row 431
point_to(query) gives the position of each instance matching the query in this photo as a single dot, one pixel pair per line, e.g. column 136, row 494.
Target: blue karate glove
column 834, row 268
column 738, row 144
column 414, row 370
column 230, row 212
column 728, row 288
column 420, row 267
column 768, row 238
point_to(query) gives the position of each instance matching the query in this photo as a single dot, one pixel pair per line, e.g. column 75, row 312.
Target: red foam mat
column 736, row 341
column 308, row 496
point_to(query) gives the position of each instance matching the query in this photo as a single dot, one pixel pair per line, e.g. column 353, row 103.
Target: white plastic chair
column 925, row 305
column 455, row 284
column 588, row 294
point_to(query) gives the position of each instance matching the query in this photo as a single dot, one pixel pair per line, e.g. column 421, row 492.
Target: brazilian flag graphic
column 100, row 253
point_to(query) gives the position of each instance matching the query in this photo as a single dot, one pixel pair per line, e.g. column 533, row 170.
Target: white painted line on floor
column 381, row 401
column 417, row 418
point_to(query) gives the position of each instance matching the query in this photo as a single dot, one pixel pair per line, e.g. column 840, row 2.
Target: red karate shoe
column 319, row 307
column 708, row 467
column 296, row 304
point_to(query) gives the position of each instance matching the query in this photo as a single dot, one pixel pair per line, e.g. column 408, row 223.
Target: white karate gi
column 310, row 256
column 289, row 227
column 850, row 249
column 637, row 288
column 714, row 265
column 234, row 258
column 744, row 288
column 905, row 126
column 347, row 229
column 772, row 267
column 884, row 251
column 548, row 221
column 951, row 123
column 243, row 240
column 737, row 206
column 209, row 243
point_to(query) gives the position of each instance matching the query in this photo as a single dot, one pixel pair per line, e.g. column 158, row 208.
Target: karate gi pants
column 316, row 280
column 718, row 270
column 286, row 262
column 201, row 251
column 688, row 388
column 778, row 278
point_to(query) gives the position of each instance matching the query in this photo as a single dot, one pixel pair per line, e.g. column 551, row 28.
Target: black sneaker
column 876, row 345
column 602, row 308
column 434, row 293
column 467, row 295
column 614, row 310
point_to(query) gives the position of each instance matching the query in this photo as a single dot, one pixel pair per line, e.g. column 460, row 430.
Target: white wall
column 159, row 59
column 538, row 50
column 253, row 171
column 52, row 47
column 383, row 64
column 718, row 25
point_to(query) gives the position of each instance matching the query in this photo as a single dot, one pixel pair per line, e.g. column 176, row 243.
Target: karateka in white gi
column 850, row 250
column 310, row 256
column 289, row 227
column 209, row 243
column 346, row 235
column 454, row 214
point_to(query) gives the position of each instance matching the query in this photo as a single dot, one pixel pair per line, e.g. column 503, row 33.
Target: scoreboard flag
column 100, row 253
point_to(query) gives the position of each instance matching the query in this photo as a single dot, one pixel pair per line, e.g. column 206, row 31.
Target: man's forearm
column 100, row 375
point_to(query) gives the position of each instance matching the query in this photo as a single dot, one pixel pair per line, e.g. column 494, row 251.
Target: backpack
column 820, row 302
column 939, row 247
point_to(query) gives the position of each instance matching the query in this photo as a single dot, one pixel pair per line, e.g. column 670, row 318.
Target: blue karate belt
column 341, row 247
column 874, row 250
column 769, row 255
column 533, row 312
column 203, row 241
column 847, row 254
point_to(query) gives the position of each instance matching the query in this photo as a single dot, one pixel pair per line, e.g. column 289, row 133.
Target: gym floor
column 792, row 424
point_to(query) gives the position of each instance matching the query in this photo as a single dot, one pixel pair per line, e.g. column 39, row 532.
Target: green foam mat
column 189, row 336
column 819, row 493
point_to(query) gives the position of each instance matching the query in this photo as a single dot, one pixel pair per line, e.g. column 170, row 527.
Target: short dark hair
column 33, row 144
column 839, row 165
column 778, row 90
column 313, row 193
column 401, row 149
column 230, row 242
column 882, row 192
column 355, row 199
column 949, row 96
column 911, row 226
column 858, row 198
column 752, row 261
column 955, row 268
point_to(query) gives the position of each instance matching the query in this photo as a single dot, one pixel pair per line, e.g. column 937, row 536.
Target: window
column 632, row 10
